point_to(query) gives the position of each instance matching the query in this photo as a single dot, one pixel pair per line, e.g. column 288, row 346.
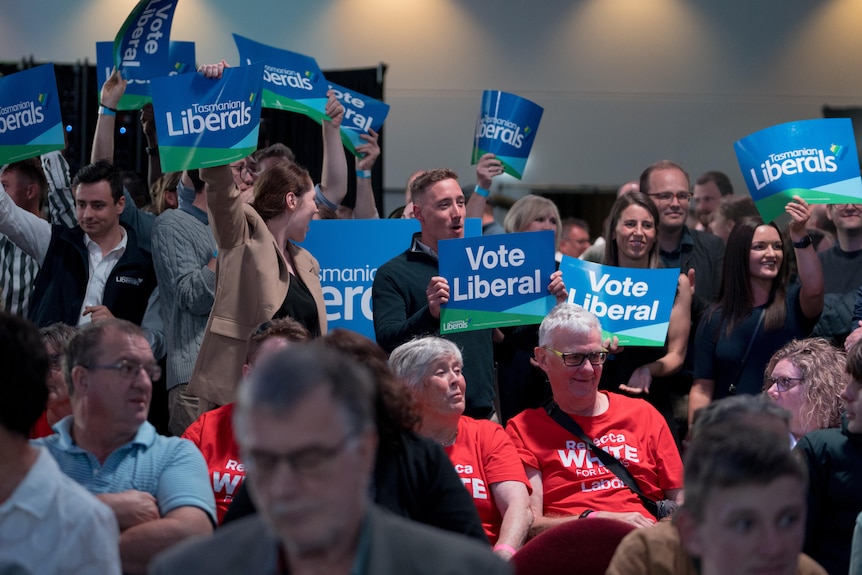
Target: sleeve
column 527, row 456
column 27, row 231
column 139, row 221
column 184, row 481
column 154, row 327
column 631, row 556
column 179, row 268
column 669, row 462
column 816, row 484
column 836, row 317
column 61, row 200
column 500, row 458
column 704, row 348
column 392, row 324
column 227, row 218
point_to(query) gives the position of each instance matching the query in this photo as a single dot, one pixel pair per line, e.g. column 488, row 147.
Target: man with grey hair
column 558, row 443
column 304, row 421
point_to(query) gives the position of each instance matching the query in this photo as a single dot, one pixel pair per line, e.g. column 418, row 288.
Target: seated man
column 744, row 509
column 304, row 421
column 157, row 486
column 660, row 550
column 212, row 432
column 569, row 481
column 49, row 523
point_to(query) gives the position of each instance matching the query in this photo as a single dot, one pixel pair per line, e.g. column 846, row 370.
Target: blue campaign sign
column 349, row 253
column 181, row 60
column 291, row 81
column 497, row 280
column 202, row 122
column 813, row 159
column 507, row 128
column 632, row 304
column 141, row 47
column 30, row 122
column 360, row 113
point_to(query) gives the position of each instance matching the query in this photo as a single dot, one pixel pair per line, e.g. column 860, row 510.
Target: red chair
column 582, row 546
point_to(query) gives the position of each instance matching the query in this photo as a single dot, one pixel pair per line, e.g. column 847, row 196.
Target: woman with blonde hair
column 806, row 377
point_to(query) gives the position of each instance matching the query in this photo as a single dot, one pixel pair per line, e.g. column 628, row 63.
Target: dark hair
column 854, row 362
column 720, row 179
column 736, row 408
column 728, row 455
column 136, row 186
column 32, row 173
column 735, row 299
column 272, row 187
column 427, row 179
column 612, row 254
column 23, row 393
column 737, row 208
column 569, row 223
column 84, row 347
column 392, row 402
column 285, row 328
column 285, row 378
column 658, row 166
column 100, row 171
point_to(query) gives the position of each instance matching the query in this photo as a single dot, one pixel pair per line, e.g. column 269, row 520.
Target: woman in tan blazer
column 261, row 272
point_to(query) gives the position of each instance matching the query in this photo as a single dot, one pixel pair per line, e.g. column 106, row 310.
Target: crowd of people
column 293, row 448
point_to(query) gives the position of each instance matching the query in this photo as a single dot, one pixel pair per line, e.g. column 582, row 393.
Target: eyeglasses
column 665, row 197
column 577, row 359
column 244, row 171
column 576, row 241
column 55, row 361
column 784, row 383
column 130, row 370
column 305, row 462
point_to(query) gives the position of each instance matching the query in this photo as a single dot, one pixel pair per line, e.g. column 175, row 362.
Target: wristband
column 585, row 514
column 364, row 174
column 481, row 191
column 504, row 547
column 803, row 243
column 215, row 253
column 106, row 111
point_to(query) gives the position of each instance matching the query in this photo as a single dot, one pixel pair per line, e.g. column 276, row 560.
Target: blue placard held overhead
column 30, row 123
column 203, row 122
column 813, row 159
column 507, row 128
column 141, row 47
column 360, row 113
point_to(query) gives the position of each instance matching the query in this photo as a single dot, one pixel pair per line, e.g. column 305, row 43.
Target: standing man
column 157, row 486
column 50, row 524
column 305, row 425
column 407, row 291
column 569, row 481
column 709, row 188
column 184, row 257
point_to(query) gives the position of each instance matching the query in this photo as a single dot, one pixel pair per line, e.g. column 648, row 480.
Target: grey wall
column 623, row 82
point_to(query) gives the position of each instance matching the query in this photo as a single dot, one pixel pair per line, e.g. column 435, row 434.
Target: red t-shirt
column 212, row 432
column 41, row 428
column 482, row 455
column 574, row 480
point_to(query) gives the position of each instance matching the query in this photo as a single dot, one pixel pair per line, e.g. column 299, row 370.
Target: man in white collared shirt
column 93, row 271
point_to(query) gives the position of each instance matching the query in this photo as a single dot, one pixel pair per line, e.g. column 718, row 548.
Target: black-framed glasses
column 666, row 197
column 577, row 359
column 130, row 370
column 304, row 462
column 783, row 384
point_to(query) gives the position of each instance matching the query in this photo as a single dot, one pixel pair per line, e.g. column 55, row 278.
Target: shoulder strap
column 608, row 460
column 731, row 389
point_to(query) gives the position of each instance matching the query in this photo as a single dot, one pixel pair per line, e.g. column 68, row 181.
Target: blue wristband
column 364, row 174
column 105, row 111
column 481, row 191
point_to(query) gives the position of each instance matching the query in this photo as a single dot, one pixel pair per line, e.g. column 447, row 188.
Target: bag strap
column 731, row 389
column 608, row 460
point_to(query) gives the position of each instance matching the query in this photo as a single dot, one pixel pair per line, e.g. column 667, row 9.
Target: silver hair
column 413, row 360
column 570, row 317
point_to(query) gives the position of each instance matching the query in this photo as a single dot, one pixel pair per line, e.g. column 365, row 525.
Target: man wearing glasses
column 569, row 480
column 156, row 486
column 304, row 422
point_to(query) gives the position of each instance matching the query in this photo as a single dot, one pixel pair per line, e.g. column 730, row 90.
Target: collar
column 145, row 437
column 418, row 247
column 686, row 240
column 196, row 212
column 93, row 246
column 35, row 493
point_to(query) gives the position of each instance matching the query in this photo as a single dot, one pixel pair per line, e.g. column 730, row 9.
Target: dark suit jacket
column 398, row 547
column 251, row 283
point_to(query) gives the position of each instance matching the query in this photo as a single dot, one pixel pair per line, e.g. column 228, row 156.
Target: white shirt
column 51, row 524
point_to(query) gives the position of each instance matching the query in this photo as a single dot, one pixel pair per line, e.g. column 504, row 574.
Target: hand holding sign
column 112, row 90
column 800, row 212
column 369, row 151
column 213, row 71
column 487, row 167
column 438, row 294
